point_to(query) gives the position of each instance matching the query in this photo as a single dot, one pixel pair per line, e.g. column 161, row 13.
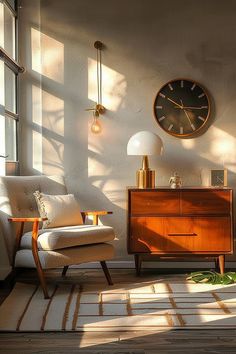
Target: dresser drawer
column 206, row 202
column 191, row 235
column 158, row 202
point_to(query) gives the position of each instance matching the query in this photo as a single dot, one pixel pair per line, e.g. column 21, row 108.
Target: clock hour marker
column 162, row 95
column 170, row 87
column 182, row 83
column 160, row 119
column 204, row 107
column 201, row 118
column 181, row 130
column 193, row 127
column 202, row 94
column 158, row 107
column 170, row 127
column 193, row 87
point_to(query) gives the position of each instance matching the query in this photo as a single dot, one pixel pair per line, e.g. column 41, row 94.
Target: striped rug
column 153, row 306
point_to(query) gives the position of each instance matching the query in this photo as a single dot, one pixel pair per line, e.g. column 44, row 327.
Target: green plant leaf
column 226, row 279
column 212, row 277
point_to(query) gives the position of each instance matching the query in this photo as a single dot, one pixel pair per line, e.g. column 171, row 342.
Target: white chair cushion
column 68, row 256
column 70, row 236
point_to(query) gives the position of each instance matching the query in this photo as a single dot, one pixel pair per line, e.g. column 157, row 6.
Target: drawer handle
column 183, row 234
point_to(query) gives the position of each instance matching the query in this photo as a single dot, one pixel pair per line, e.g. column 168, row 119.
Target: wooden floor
column 168, row 342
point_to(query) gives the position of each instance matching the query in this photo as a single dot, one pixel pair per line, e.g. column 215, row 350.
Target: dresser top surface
column 156, row 189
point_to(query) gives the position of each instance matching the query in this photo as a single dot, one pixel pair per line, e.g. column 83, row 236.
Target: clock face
column 182, row 108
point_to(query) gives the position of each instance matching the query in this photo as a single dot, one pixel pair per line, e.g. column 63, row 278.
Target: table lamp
column 145, row 143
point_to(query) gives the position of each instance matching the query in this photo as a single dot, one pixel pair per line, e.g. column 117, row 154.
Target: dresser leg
column 222, row 264
column 138, row 264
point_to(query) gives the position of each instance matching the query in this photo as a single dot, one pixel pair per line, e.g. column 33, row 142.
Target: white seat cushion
column 70, row 236
column 67, row 256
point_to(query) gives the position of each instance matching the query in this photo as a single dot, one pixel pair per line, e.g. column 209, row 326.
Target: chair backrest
column 17, row 200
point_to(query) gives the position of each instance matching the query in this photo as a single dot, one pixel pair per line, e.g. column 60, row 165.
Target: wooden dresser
column 180, row 222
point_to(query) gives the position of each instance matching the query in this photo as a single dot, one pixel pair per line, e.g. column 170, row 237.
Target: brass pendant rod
column 100, row 72
column 98, row 79
column 98, row 45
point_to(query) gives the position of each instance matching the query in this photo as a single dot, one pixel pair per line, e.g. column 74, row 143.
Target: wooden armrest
column 35, row 229
column 26, row 219
column 96, row 212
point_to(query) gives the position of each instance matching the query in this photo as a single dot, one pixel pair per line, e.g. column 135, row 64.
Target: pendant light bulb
column 96, row 127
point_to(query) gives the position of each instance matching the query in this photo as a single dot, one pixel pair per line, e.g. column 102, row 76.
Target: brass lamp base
column 145, row 177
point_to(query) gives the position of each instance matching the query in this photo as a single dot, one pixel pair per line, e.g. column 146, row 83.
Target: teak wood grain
column 180, row 234
column 146, row 203
column 205, row 202
column 180, row 222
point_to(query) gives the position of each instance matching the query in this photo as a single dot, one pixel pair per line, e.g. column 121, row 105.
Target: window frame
column 16, row 68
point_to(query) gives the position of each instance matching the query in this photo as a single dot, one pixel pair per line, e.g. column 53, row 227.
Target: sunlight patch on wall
column 113, row 86
column 222, row 149
column 53, row 133
column 37, row 105
column 47, row 56
column 188, row 143
column 36, row 51
column 48, row 132
column 37, row 158
column 37, row 151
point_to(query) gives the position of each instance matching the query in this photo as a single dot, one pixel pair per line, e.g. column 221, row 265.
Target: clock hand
column 186, row 107
column 186, row 113
column 169, row 99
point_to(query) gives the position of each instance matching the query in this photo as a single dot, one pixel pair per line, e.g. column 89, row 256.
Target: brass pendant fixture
column 99, row 109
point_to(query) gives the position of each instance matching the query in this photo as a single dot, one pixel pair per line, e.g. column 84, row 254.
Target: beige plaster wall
column 147, row 43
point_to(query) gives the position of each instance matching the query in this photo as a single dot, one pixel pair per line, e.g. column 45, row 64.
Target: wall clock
column 182, row 108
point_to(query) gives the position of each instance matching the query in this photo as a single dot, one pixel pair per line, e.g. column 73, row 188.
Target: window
column 9, row 70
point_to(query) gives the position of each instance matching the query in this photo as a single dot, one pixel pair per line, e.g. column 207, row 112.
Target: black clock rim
column 208, row 114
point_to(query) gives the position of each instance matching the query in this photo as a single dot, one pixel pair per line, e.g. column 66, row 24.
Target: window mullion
column 11, row 114
column 14, row 13
column 11, row 63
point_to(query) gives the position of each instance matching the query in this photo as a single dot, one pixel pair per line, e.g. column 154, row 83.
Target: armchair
column 32, row 247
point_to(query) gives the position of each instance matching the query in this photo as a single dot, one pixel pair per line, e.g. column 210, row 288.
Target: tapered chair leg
column 64, row 270
column 37, row 260
column 42, row 282
column 106, row 272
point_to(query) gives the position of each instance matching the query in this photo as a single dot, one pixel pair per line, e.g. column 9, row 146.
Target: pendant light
column 99, row 109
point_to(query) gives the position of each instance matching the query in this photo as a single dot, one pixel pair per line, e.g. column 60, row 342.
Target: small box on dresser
column 180, row 222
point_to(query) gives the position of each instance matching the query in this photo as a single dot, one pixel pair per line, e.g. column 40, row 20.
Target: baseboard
column 154, row 265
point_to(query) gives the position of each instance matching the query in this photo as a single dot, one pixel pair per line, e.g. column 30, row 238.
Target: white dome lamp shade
column 145, row 143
